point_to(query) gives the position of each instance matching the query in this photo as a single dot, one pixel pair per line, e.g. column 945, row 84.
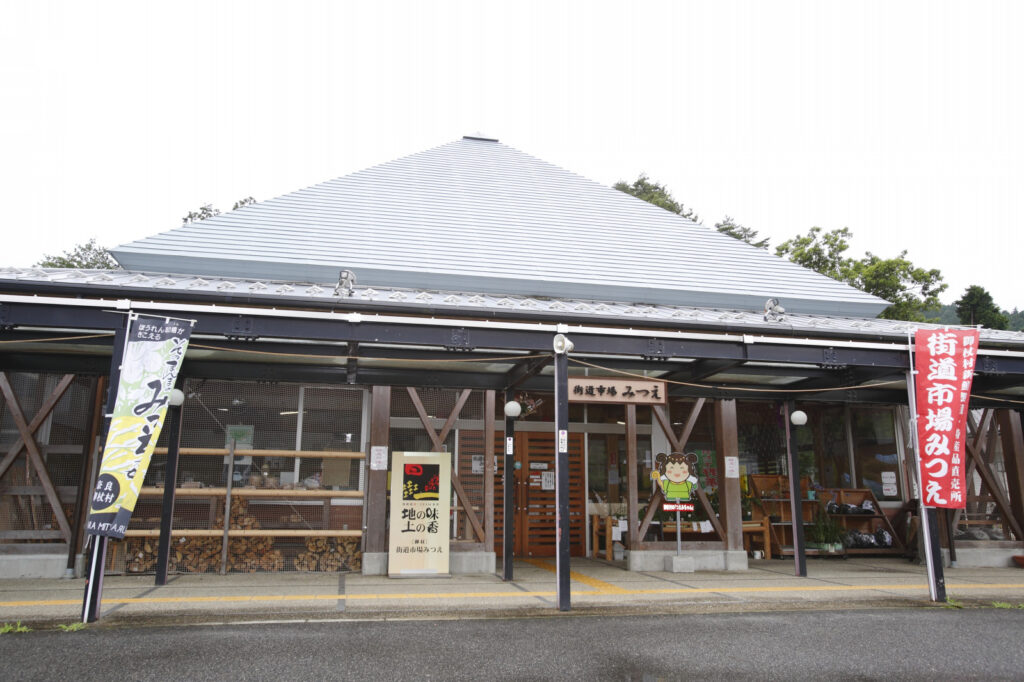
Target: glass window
column 762, row 437
column 824, row 451
column 875, row 452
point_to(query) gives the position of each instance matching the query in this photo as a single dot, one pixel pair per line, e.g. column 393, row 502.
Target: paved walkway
column 596, row 586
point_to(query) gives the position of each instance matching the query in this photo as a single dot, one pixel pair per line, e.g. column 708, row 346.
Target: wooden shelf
column 300, row 454
column 868, row 523
column 257, row 493
column 244, row 533
column 781, row 530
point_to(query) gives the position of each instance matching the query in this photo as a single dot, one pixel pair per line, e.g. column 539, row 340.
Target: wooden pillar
column 632, row 499
column 489, row 466
column 1013, row 460
column 375, row 539
column 727, row 445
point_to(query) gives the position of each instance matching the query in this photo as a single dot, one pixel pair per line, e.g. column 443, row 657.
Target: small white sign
column 732, row 467
column 509, row 446
column 889, row 477
column 547, row 480
column 379, row 458
column 616, row 534
column 889, row 489
column 478, row 464
column 563, row 440
column 539, row 466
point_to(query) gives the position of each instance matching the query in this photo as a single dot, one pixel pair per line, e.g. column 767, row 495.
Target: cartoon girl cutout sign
column 674, row 474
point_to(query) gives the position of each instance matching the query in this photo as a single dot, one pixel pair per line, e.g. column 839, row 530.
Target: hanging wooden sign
column 616, row 390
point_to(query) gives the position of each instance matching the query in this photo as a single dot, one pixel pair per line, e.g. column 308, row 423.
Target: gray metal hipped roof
column 477, row 215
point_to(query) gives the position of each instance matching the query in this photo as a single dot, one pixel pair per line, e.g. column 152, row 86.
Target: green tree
column 913, row 291
column 744, row 234
column 87, row 256
column 1015, row 320
column 946, row 315
column 977, row 307
column 654, row 193
column 243, row 202
column 820, row 252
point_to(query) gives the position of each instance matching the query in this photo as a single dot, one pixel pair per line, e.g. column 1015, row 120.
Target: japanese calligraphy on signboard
column 153, row 353
column 420, row 504
column 944, row 369
column 620, row 391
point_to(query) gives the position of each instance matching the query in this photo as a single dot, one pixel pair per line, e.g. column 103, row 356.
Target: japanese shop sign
column 420, row 504
column 620, row 391
column 153, row 352
column 944, row 368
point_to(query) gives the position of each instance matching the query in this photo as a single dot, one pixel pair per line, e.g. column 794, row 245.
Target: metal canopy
column 297, row 345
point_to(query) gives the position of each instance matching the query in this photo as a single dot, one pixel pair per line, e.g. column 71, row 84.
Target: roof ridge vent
column 480, row 137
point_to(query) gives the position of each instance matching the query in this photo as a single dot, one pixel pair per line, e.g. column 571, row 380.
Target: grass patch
column 73, row 627
column 1002, row 605
column 953, row 604
column 14, row 627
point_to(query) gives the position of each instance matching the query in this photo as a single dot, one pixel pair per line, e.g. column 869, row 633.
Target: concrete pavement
column 597, row 586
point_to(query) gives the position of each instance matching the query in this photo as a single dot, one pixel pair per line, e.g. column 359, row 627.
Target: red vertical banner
column 944, row 369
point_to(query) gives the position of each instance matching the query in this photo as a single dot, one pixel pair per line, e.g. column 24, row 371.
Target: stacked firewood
column 196, row 555
column 248, row 554
column 329, row 554
column 140, row 555
column 203, row 554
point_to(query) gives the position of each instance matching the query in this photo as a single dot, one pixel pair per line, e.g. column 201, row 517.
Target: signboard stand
column 94, row 582
column 153, row 349
column 679, row 533
column 421, row 492
column 98, row 557
column 936, row 578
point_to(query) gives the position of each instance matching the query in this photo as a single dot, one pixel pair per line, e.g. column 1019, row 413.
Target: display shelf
column 771, row 499
column 866, row 523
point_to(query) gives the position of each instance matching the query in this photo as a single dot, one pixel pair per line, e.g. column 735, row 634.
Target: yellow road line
column 599, row 585
column 501, row 595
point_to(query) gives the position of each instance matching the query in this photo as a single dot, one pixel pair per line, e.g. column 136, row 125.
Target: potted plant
column 817, row 532
column 832, row 534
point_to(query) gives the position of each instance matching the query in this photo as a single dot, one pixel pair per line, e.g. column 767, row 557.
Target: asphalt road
column 909, row 644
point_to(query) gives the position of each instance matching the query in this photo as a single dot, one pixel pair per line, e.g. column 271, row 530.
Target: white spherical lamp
column 513, row 409
column 798, row 417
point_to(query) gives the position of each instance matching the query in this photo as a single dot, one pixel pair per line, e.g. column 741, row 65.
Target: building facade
column 403, row 306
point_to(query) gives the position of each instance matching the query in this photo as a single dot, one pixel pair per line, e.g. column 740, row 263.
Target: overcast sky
column 900, row 120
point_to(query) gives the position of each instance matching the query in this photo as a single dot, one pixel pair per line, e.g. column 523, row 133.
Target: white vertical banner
column 154, row 350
